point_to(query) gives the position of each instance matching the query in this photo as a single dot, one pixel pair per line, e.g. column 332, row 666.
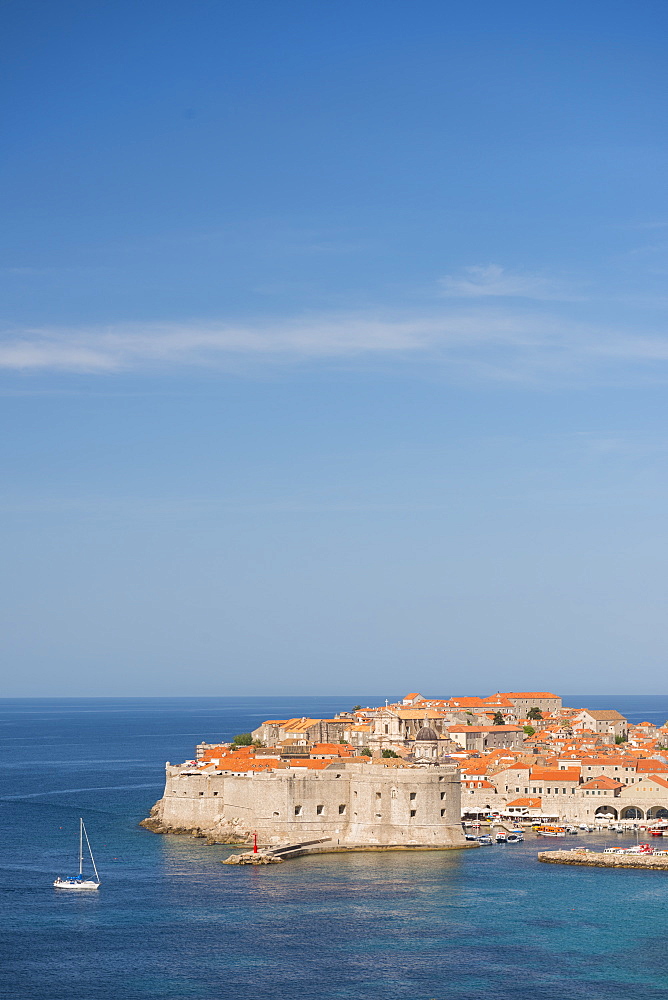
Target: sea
column 170, row 922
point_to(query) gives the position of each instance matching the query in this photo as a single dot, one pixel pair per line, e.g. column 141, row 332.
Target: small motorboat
column 640, row 849
column 515, row 838
column 501, row 838
column 484, row 840
column 78, row 881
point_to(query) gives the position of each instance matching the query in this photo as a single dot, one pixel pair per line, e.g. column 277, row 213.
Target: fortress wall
column 382, row 807
column 355, row 805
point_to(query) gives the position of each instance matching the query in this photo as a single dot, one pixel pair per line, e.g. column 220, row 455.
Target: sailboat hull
column 75, row 884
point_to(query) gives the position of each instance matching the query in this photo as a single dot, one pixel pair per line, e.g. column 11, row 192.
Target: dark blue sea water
column 171, row 923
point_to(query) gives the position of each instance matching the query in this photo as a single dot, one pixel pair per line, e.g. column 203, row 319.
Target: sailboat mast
column 80, row 846
column 90, row 851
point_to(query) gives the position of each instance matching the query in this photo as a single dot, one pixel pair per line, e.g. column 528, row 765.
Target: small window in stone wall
column 201, row 793
column 298, row 810
column 442, row 795
column 393, row 793
column 413, row 812
column 342, row 810
column 215, row 793
column 413, row 796
column 442, row 812
column 319, row 810
column 379, row 795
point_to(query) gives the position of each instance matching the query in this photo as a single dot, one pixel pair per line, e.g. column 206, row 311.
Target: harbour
column 384, row 925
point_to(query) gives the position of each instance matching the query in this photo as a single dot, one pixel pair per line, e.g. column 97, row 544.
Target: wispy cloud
column 122, row 346
column 483, row 341
column 492, row 280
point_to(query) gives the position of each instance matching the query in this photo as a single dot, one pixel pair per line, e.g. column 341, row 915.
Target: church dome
column 426, row 735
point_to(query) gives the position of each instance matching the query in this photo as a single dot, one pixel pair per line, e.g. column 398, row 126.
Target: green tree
column 534, row 713
column 499, row 719
column 390, row 753
column 243, row 740
column 620, row 739
column 529, row 730
column 366, row 752
column 356, row 708
column 345, row 742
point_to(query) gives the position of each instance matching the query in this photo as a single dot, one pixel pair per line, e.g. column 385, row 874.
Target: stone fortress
column 355, row 805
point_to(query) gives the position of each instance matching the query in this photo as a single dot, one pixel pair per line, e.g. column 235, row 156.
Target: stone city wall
column 356, row 805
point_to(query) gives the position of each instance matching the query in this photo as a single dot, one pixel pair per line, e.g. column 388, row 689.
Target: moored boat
column 641, row 849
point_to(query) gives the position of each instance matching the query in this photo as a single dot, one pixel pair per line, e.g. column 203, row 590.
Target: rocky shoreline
column 596, row 859
column 232, row 833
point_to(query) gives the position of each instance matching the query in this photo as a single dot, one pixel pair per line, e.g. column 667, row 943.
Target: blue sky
column 333, row 350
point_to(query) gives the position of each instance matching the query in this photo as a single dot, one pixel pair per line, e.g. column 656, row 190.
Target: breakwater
column 597, row 859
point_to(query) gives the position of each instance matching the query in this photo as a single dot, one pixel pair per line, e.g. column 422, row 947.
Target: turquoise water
column 171, row 922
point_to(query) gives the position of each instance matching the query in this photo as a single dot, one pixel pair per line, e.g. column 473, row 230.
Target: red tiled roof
column 647, row 765
column 554, row 774
column 602, row 781
column 659, row 778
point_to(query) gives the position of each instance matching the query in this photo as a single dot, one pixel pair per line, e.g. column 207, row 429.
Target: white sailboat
column 78, row 881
